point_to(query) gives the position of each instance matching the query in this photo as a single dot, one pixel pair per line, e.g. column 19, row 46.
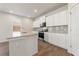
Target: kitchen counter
column 16, row 35
column 22, row 35
column 23, row 45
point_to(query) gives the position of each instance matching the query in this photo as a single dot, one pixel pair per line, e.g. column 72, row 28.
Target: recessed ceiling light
column 35, row 10
column 11, row 11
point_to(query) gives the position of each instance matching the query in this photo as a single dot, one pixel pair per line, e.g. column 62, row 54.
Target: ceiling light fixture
column 35, row 10
column 11, row 11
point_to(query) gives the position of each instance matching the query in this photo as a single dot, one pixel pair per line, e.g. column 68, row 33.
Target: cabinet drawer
column 46, row 37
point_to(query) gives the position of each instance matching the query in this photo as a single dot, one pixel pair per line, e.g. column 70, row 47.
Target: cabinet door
column 56, row 20
column 36, row 23
column 46, row 37
column 16, row 47
column 42, row 19
column 61, row 40
column 23, row 46
column 54, row 39
column 50, row 20
column 50, row 38
column 60, row 18
column 39, row 21
column 75, row 29
column 58, row 39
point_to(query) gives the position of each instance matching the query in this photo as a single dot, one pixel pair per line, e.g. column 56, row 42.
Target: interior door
column 75, row 29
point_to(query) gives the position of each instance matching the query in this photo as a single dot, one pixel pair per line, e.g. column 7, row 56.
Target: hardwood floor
column 46, row 49
column 4, row 49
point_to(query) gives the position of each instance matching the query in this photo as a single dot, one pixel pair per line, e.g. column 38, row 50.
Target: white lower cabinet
column 61, row 41
column 57, row 39
column 46, row 36
column 50, row 38
column 54, row 39
column 23, row 46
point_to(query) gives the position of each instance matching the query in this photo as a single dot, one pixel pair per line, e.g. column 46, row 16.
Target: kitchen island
column 23, row 45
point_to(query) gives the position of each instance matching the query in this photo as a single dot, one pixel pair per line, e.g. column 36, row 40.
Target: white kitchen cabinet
column 36, row 24
column 54, row 39
column 57, row 39
column 74, row 17
column 61, row 40
column 23, row 46
column 67, row 41
column 46, row 36
column 42, row 19
column 50, row 20
column 63, row 17
column 60, row 18
column 50, row 38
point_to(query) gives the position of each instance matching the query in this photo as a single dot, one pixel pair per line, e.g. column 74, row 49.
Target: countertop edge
column 7, row 38
column 25, row 35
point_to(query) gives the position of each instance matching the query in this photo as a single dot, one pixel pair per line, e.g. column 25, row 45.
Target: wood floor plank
column 46, row 49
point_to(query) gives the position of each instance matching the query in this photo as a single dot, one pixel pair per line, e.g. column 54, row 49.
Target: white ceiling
column 27, row 9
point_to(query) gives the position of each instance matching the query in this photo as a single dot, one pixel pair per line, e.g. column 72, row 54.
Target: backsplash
column 58, row 29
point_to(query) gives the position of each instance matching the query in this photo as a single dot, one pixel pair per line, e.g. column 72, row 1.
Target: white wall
column 5, row 26
column 27, row 25
column 16, row 21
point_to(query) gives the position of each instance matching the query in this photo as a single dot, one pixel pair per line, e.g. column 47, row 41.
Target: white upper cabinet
column 60, row 18
column 50, row 20
column 42, row 19
column 38, row 22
